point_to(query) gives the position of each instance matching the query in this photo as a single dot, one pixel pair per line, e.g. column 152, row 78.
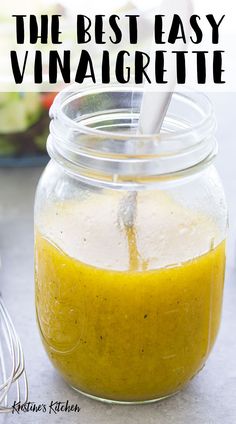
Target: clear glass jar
column 129, row 244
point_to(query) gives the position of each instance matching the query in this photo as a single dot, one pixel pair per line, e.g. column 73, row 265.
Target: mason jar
column 129, row 244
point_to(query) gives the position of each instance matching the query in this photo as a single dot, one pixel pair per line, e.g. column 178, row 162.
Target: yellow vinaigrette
column 127, row 334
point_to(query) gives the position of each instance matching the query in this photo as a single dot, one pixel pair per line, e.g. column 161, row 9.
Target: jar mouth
column 94, row 135
column 196, row 101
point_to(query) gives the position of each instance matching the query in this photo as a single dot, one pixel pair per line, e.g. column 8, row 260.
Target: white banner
column 163, row 45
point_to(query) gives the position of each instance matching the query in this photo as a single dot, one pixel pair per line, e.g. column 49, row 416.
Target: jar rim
column 111, row 157
column 74, row 91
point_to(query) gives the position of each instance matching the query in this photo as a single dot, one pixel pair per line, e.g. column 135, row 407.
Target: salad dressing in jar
column 129, row 313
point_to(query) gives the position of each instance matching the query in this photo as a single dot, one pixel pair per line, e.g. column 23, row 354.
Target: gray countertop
column 209, row 399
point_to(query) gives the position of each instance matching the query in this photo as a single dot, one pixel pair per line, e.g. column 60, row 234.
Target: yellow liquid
column 127, row 335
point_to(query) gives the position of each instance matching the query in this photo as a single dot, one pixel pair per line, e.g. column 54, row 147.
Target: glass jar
column 129, row 244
